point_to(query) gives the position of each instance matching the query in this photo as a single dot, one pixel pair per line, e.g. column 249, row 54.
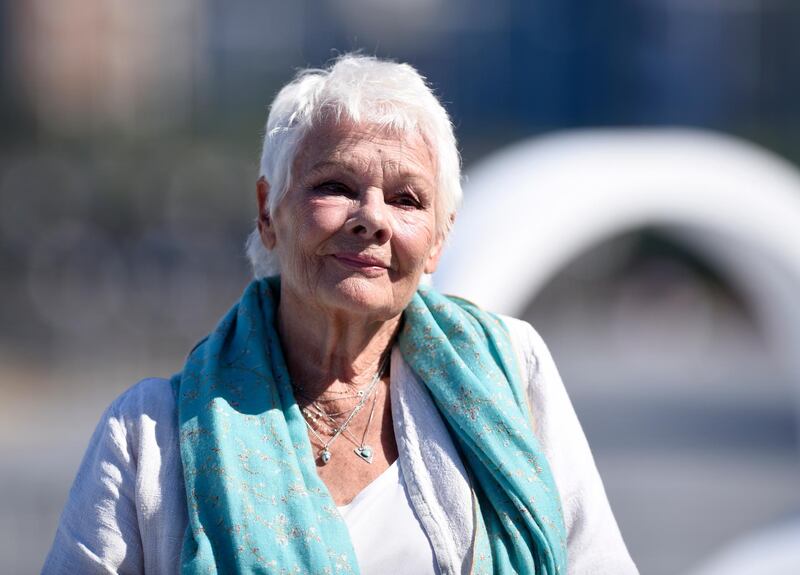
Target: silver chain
column 363, row 451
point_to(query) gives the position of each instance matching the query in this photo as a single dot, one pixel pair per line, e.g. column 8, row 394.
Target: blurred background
column 128, row 155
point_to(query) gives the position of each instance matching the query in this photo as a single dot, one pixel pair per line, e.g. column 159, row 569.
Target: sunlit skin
column 353, row 235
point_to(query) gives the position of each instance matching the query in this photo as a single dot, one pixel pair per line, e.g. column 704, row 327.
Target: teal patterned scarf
column 255, row 501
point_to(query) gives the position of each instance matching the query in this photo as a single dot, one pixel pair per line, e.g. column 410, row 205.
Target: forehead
column 364, row 148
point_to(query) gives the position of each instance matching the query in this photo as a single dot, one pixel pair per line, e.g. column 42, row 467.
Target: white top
column 386, row 533
column 126, row 511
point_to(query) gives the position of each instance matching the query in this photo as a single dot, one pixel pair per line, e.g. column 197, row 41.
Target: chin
column 358, row 295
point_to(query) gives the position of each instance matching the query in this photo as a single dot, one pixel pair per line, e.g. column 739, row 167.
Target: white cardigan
column 126, row 512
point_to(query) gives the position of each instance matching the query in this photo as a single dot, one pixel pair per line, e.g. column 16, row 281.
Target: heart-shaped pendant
column 364, row 452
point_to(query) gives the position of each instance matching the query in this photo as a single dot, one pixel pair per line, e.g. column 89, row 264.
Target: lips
column 360, row 261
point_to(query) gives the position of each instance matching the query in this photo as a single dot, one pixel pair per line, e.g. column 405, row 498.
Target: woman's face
column 357, row 226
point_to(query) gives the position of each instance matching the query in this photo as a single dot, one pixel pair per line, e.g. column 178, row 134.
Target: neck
column 331, row 351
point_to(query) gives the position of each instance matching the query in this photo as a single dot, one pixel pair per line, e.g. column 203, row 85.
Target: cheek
column 310, row 224
column 324, row 217
column 414, row 236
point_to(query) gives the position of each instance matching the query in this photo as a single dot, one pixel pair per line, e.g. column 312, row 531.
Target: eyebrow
column 399, row 169
column 326, row 164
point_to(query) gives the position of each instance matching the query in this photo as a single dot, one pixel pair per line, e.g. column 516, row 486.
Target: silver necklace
column 365, row 452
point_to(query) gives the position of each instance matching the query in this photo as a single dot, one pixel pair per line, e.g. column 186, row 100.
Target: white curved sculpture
column 533, row 207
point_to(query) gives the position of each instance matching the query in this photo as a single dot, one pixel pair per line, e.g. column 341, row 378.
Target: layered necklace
column 316, row 415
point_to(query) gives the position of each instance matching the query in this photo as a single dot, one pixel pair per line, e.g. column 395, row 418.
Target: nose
column 371, row 219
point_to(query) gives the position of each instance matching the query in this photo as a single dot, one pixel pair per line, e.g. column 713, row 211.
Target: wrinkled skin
column 356, row 192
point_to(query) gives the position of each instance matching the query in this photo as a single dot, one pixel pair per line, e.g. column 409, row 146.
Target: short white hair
column 361, row 89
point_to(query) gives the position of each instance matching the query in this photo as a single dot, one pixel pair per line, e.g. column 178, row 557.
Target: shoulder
column 532, row 352
column 152, row 397
column 142, row 418
column 547, row 397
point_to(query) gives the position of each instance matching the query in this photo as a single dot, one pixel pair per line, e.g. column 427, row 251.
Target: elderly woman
column 343, row 417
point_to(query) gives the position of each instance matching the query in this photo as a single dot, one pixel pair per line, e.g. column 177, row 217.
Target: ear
column 436, row 250
column 266, row 228
column 433, row 257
